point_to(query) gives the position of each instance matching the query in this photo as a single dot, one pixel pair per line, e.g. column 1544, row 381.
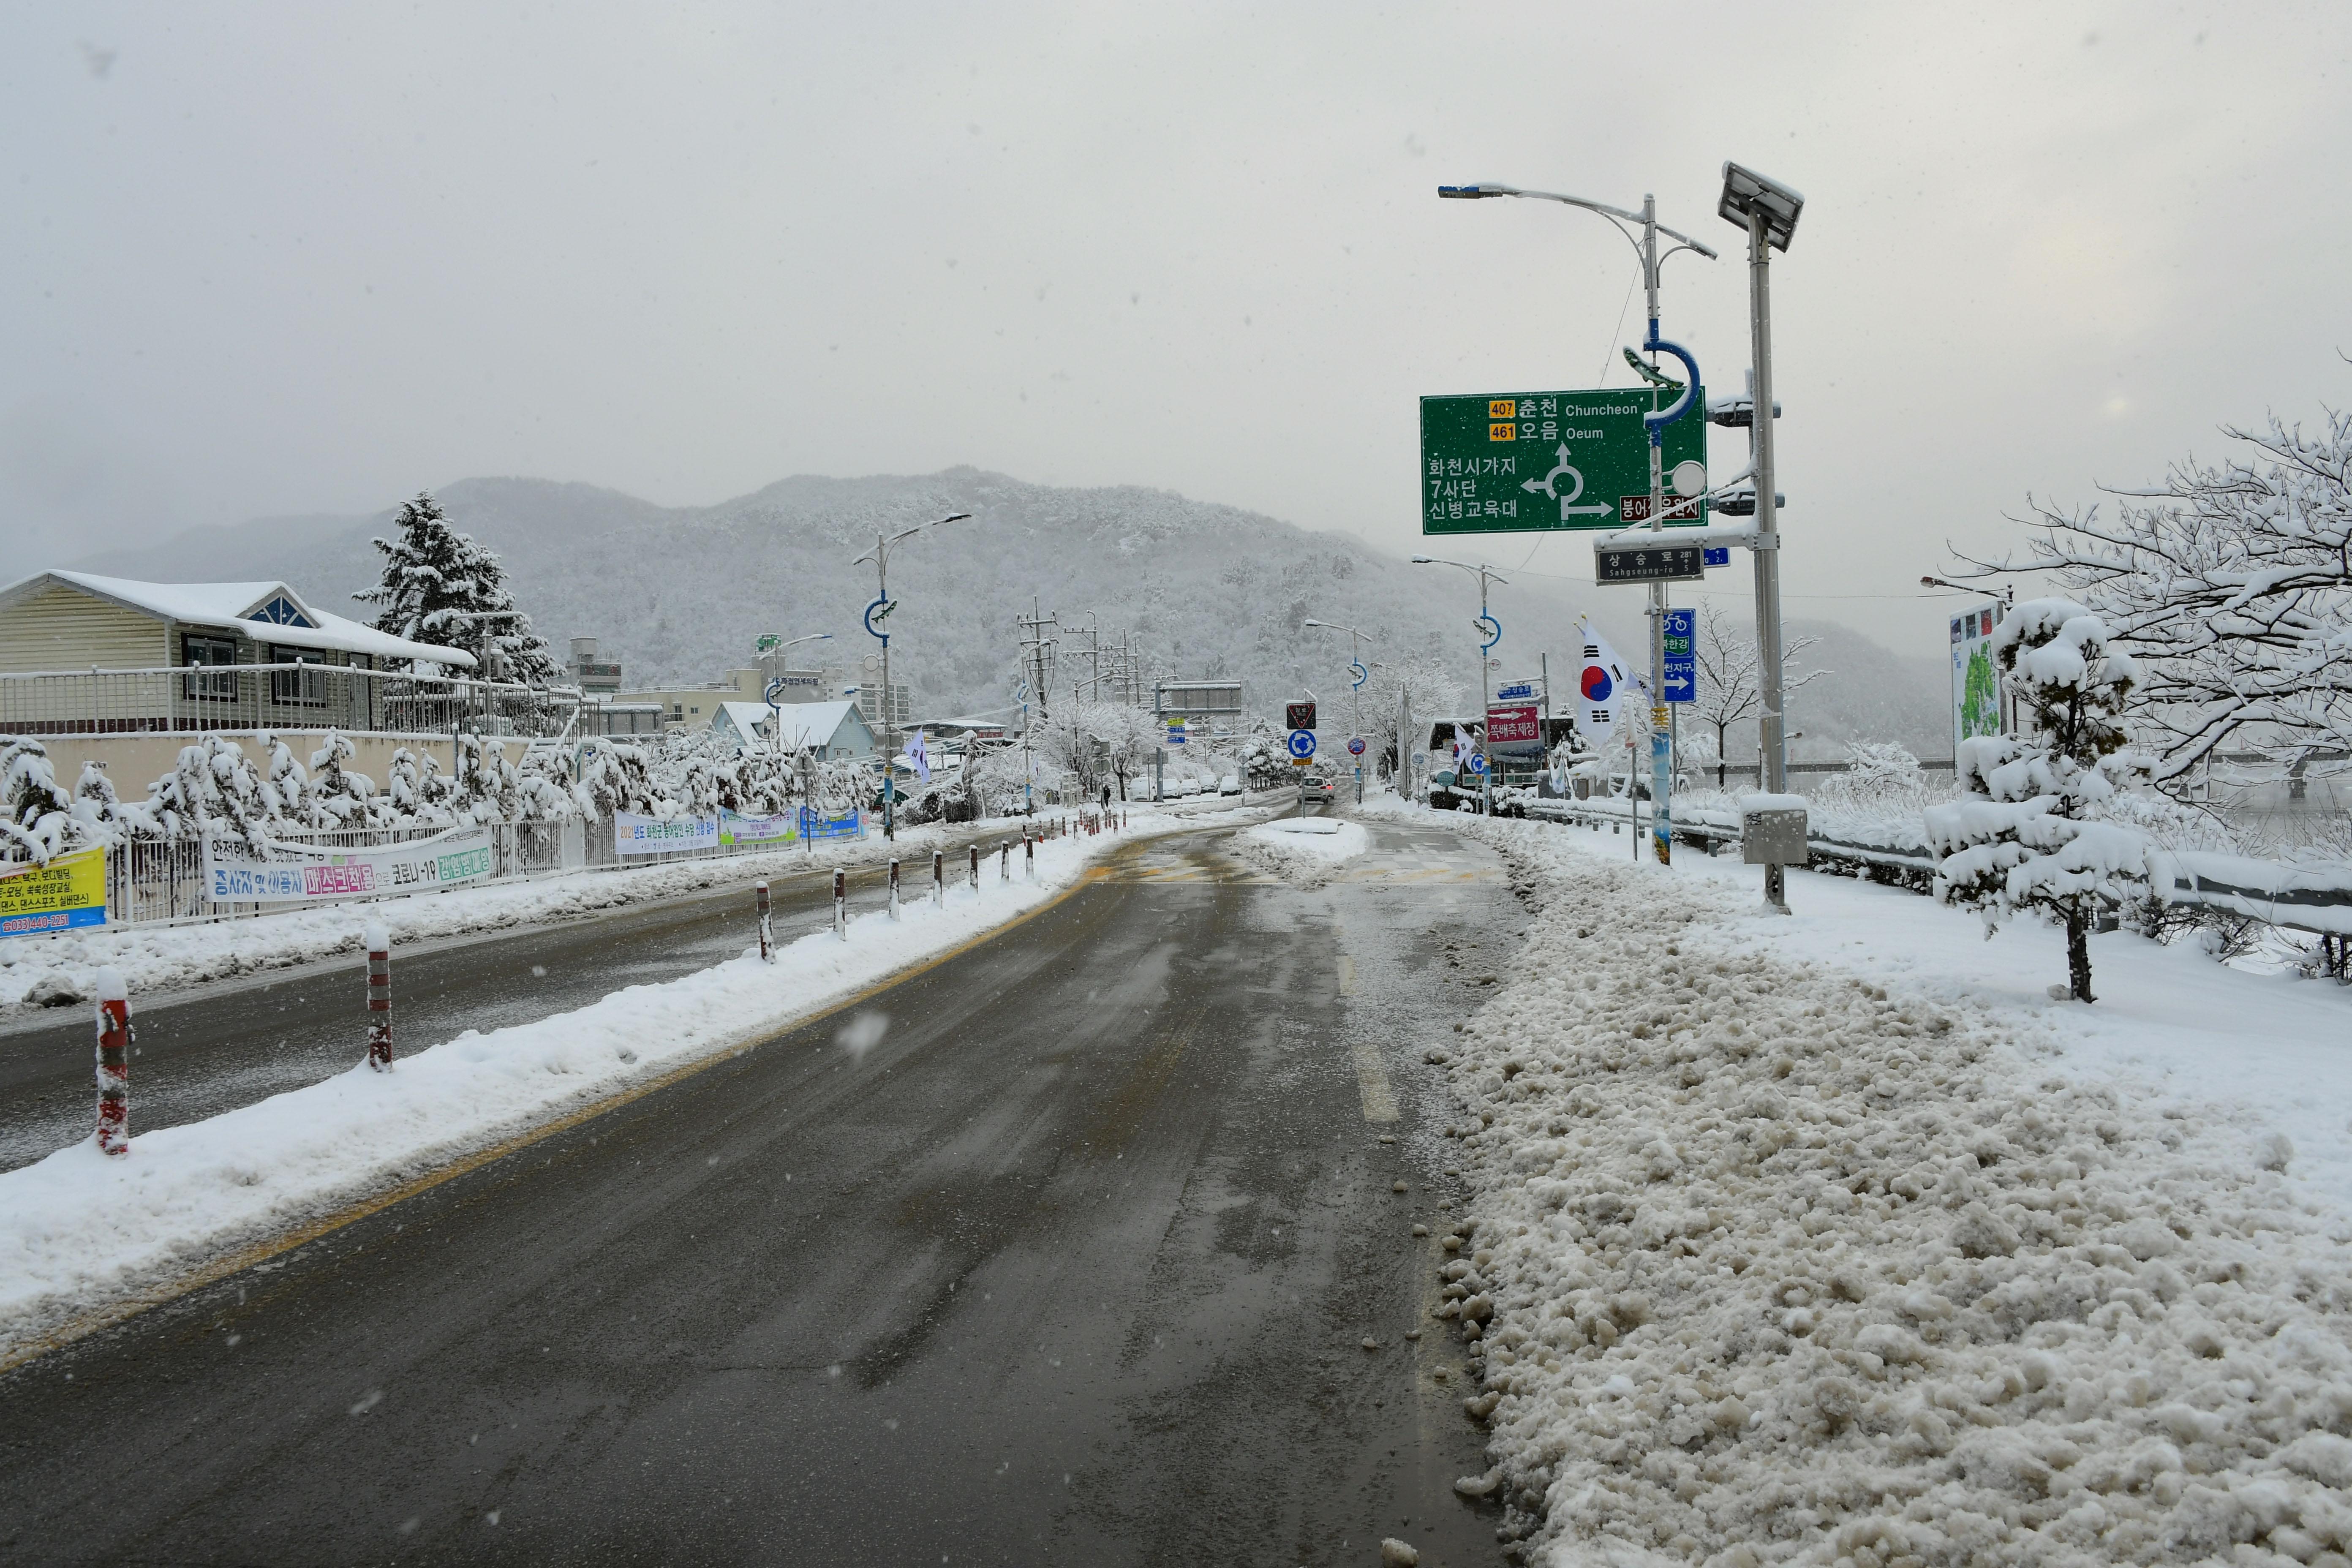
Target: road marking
column 1347, row 974
column 1372, row 1081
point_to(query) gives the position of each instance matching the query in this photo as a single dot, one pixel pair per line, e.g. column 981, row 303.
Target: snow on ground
column 1832, row 1240
column 80, row 1232
column 1306, row 850
column 156, row 958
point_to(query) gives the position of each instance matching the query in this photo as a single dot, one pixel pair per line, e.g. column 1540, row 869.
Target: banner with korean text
column 304, row 874
column 67, row 894
column 633, row 835
column 737, row 829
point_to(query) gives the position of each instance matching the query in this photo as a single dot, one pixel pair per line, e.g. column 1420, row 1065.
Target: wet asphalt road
column 222, row 1046
column 1072, row 1264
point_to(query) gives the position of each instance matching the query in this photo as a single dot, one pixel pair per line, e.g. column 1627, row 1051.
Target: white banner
column 661, row 834
column 735, row 828
column 1976, row 678
column 462, row 854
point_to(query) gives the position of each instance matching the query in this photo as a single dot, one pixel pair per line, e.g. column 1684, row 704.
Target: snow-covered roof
column 260, row 612
column 815, row 723
column 748, row 719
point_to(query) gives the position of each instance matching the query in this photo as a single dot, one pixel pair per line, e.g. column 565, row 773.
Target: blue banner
column 816, row 828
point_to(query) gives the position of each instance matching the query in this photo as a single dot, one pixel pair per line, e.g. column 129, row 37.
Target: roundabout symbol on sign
column 1302, row 744
column 1477, row 764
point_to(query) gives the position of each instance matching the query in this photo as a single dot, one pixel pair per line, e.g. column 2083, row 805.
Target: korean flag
column 1601, row 688
column 919, row 757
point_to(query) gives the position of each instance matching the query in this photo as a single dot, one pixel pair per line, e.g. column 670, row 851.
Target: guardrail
column 2308, row 898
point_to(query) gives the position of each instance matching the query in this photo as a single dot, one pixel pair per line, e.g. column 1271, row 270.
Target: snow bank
column 81, row 1231
column 58, row 970
column 1309, row 850
column 1774, row 1261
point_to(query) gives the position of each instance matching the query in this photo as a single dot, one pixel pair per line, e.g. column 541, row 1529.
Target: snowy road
column 1064, row 1249
column 219, row 1046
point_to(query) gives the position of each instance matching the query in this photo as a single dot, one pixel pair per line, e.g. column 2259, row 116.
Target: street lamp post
column 1484, row 574
column 1355, row 696
column 1767, row 211
column 1661, row 831
column 771, row 648
column 879, row 610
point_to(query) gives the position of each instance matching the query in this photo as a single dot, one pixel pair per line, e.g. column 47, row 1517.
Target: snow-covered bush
column 37, row 817
column 336, row 797
column 2029, row 831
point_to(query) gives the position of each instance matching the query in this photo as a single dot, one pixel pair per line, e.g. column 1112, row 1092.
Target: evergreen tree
column 433, row 577
column 2035, row 827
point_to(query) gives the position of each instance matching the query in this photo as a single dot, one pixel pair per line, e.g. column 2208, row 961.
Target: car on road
column 1317, row 792
column 1230, row 785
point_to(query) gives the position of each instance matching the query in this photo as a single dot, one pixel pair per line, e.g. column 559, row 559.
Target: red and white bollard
column 1004, row 860
column 759, row 901
column 841, row 904
column 1029, row 854
column 894, row 890
column 379, row 946
column 939, row 878
column 113, row 1063
column 975, row 868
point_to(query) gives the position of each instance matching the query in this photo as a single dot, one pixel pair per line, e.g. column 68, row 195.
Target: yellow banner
column 67, row 893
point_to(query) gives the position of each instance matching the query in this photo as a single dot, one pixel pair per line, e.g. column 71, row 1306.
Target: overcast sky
column 293, row 259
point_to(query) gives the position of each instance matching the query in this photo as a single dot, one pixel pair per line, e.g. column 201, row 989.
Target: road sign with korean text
column 1682, row 656
column 1543, row 461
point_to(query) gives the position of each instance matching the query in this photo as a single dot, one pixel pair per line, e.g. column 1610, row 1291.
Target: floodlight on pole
column 1768, row 210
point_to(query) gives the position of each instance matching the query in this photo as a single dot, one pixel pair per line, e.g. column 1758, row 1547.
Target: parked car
column 1230, row 785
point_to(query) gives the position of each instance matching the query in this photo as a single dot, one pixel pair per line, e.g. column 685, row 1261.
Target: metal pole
column 114, row 1063
column 1662, row 822
column 889, row 785
column 1772, row 741
column 1485, row 703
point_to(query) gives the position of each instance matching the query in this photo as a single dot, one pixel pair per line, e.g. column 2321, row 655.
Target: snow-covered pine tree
column 2025, row 832
column 435, row 575
column 37, row 820
column 338, row 797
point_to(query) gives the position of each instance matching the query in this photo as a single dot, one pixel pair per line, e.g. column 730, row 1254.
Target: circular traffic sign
column 1477, row 764
column 1690, row 477
column 1356, row 748
column 1302, row 744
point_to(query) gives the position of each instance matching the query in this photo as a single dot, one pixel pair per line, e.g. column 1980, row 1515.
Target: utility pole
column 1034, row 645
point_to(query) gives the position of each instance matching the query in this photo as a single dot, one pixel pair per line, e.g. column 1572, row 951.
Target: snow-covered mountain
column 677, row 594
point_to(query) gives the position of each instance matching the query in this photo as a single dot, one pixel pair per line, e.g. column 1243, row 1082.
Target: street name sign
column 1682, row 656
column 1647, row 563
column 1718, row 555
column 1543, row 461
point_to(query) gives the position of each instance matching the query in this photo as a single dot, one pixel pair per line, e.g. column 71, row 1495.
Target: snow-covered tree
column 337, row 797
column 434, row 578
column 2026, row 833
column 215, row 789
column 2231, row 588
column 37, row 817
column 1730, row 678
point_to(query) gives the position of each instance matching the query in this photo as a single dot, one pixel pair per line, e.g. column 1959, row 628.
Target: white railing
column 196, row 699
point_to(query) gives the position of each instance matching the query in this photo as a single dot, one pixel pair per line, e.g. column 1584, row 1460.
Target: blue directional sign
column 1682, row 656
column 1717, row 555
column 1302, row 744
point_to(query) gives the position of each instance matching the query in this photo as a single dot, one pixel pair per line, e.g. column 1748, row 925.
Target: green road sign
column 1539, row 461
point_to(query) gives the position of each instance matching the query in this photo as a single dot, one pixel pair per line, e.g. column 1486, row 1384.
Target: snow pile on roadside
column 80, row 1230
column 1307, row 849
column 1775, row 1264
column 61, row 970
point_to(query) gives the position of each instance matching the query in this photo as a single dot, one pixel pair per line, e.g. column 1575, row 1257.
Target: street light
column 880, row 610
column 1661, row 831
column 1768, row 210
column 1355, row 696
column 771, row 648
column 1484, row 574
